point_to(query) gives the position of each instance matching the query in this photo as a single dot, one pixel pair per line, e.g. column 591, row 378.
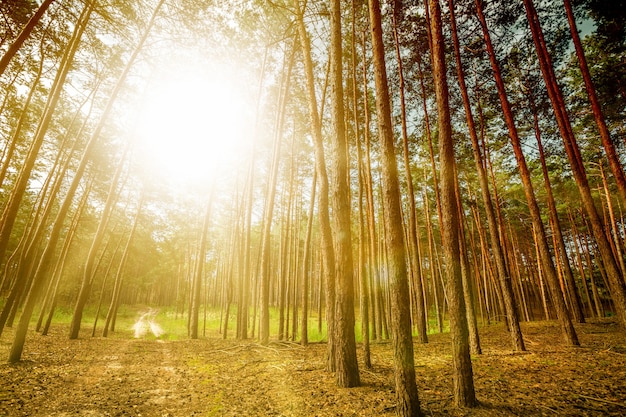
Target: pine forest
column 312, row 208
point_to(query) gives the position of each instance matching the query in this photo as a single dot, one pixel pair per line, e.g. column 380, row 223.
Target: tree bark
column 415, row 259
column 607, row 143
column 17, row 192
column 24, row 34
column 572, row 294
column 89, row 267
column 504, row 277
column 264, row 327
column 347, row 372
column 464, row 394
column 567, row 328
column 328, row 252
column 407, row 400
column 615, row 279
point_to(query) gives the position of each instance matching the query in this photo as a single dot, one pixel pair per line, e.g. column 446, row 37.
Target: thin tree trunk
column 574, row 297
column 616, row 283
column 24, row 34
column 567, row 328
column 504, row 277
column 264, row 327
column 117, row 287
column 370, row 212
column 247, row 282
column 466, row 272
column 9, row 215
column 89, row 267
column 104, row 282
column 363, row 253
column 432, row 261
column 415, row 260
column 328, row 253
column 306, row 270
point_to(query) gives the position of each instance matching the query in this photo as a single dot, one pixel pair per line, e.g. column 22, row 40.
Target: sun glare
column 191, row 126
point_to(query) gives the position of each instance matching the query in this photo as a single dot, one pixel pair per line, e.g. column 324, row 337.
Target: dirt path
column 214, row 377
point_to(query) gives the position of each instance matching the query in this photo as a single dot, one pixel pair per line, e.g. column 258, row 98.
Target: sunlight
column 191, row 125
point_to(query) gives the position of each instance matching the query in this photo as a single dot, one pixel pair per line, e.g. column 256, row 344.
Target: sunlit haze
column 192, row 125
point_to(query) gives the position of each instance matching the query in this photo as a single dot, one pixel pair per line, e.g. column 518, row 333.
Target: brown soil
column 213, row 377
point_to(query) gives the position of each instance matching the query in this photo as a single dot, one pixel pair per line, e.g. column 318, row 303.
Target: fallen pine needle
column 602, row 401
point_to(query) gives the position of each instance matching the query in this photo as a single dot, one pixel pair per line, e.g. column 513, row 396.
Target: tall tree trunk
column 89, row 267
column 370, row 212
column 567, row 328
column 247, row 273
column 362, row 269
column 285, row 250
column 466, row 272
column 119, row 276
column 264, row 327
column 7, row 220
column 607, row 143
column 504, row 277
column 463, row 376
column 406, row 388
column 573, row 296
column 306, row 269
column 415, row 260
column 328, row 252
column 615, row 279
column 24, row 34
column 347, row 370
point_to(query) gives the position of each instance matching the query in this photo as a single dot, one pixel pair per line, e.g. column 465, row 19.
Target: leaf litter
column 124, row 376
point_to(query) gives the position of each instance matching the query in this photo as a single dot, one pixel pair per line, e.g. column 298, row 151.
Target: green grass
column 210, row 323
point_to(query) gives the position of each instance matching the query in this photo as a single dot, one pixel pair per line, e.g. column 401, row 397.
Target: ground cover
column 124, row 376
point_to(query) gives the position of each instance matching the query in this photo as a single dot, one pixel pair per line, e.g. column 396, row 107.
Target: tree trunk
column 264, row 327
column 89, row 267
column 607, row 143
column 24, row 34
column 567, row 328
column 306, row 270
column 466, row 272
column 17, row 192
column 328, row 252
column 406, row 388
column 363, row 239
column 374, row 272
column 347, row 370
column 415, row 260
column 615, row 279
column 573, row 296
column 504, row 277
column 117, row 287
column 462, row 366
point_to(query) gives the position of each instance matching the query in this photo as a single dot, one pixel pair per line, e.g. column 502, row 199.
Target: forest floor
column 123, row 376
